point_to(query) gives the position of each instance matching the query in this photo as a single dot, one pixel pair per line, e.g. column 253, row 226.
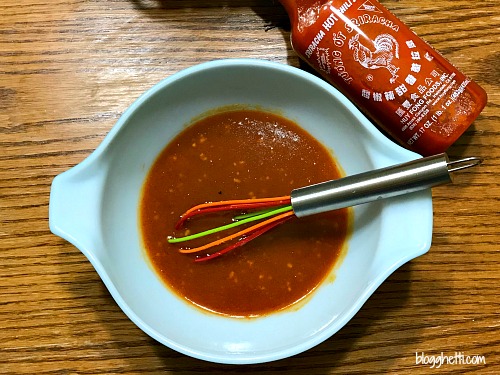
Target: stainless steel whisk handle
column 381, row 183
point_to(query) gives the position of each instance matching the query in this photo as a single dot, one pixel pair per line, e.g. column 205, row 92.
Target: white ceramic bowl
column 95, row 207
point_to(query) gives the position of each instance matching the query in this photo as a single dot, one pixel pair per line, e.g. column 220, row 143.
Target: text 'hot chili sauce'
column 397, row 79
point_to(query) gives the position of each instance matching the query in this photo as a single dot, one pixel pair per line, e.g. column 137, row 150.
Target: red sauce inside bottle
column 405, row 86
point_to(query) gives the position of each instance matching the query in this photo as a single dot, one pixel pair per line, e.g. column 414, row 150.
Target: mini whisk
column 349, row 191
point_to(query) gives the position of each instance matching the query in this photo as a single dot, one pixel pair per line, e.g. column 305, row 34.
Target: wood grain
column 68, row 69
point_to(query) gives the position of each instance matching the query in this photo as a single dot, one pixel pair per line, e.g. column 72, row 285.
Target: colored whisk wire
column 274, row 211
column 243, row 220
column 256, row 233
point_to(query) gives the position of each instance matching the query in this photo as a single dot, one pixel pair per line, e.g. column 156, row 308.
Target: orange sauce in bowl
column 237, row 154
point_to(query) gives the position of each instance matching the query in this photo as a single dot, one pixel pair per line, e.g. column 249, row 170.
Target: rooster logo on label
column 386, row 50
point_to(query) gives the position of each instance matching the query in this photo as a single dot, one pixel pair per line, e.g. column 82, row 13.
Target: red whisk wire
column 244, row 240
column 280, row 207
column 237, row 204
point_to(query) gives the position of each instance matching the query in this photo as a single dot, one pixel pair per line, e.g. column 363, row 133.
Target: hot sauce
column 405, row 86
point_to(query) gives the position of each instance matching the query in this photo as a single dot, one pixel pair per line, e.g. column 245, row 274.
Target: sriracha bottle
column 405, row 86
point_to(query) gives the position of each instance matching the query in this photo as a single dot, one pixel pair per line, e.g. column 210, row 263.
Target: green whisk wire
column 240, row 220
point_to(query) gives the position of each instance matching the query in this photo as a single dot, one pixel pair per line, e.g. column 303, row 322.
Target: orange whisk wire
column 244, row 240
column 237, row 234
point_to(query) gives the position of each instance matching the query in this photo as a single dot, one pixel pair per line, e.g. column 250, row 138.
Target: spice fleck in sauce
column 234, row 155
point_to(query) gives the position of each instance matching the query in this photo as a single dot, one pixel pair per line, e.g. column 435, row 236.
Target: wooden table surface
column 68, row 69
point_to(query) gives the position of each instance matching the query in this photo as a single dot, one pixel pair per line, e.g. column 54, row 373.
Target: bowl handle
column 74, row 208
